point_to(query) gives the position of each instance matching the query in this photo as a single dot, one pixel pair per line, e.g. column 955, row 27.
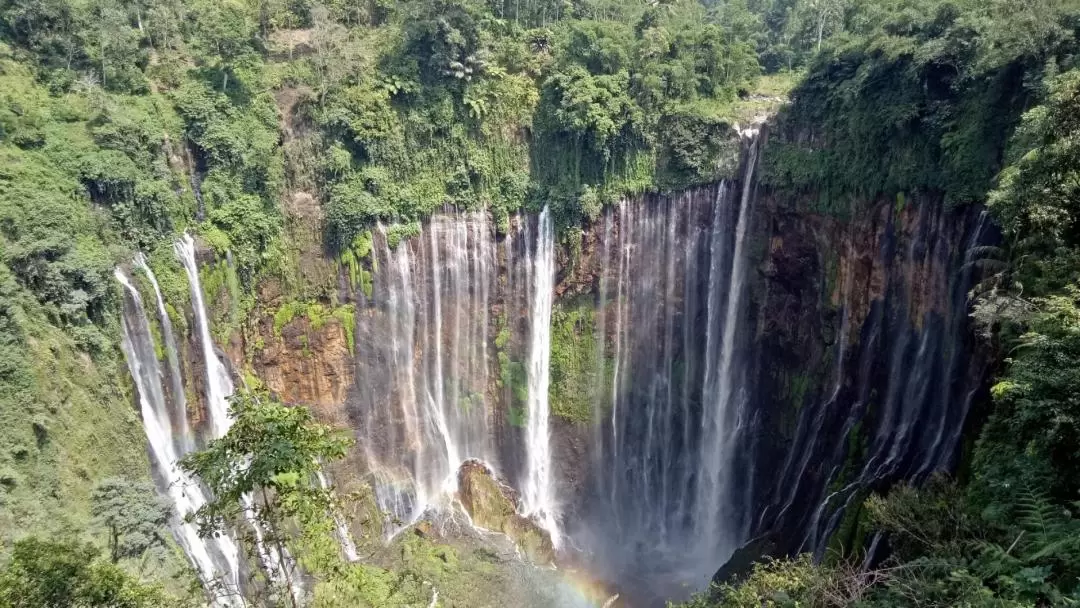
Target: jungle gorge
column 552, row 303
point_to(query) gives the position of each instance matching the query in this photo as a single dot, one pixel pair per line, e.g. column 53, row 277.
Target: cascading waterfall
column 182, row 436
column 453, row 360
column 724, row 418
column 217, row 559
column 426, row 356
column 219, row 388
column 924, row 382
column 539, row 495
column 428, row 350
column 348, row 547
column 170, row 437
column 668, row 503
column 453, row 349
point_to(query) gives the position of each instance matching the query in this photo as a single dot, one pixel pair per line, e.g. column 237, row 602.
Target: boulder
column 492, row 505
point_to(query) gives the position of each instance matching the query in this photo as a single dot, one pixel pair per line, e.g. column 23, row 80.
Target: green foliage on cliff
column 1007, row 535
column 513, row 377
column 580, row 369
column 465, row 106
column 919, row 95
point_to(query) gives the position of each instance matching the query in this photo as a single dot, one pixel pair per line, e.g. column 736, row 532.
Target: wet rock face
column 492, row 504
column 866, row 365
column 306, row 365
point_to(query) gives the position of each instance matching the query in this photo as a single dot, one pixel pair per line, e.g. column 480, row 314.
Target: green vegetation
column 317, row 316
column 69, row 573
column 917, row 96
column 134, row 515
column 578, row 366
column 357, row 258
column 513, row 377
column 272, row 453
column 122, row 124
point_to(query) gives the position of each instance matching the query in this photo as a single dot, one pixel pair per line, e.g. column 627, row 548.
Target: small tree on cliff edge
column 268, row 463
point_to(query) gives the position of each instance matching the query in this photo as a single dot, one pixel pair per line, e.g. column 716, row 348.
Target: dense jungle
column 539, row 303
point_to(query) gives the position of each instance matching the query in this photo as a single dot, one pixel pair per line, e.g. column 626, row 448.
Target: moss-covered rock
column 578, row 367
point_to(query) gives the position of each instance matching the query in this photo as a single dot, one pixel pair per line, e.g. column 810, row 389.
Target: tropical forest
column 539, row 303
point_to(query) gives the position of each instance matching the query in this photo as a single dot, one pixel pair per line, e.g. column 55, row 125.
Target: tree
column 64, row 573
column 265, row 468
column 133, row 514
column 224, row 33
column 1038, row 192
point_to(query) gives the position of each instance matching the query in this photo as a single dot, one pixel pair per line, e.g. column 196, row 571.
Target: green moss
column 503, row 337
column 396, row 233
column 578, row 368
column 347, row 316
column 359, row 262
column 286, row 313
column 851, row 533
column 251, row 380
column 518, row 417
column 513, row 378
column 317, row 315
column 853, row 457
column 226, row 302
column 797, row 388
column 155, row 332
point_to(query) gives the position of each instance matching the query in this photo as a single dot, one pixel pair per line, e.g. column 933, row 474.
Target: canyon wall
column 720, row 365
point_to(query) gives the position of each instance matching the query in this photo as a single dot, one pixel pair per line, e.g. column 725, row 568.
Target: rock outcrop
column 492, row 505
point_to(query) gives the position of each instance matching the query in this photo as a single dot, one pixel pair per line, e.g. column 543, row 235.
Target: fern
column 1050, row 531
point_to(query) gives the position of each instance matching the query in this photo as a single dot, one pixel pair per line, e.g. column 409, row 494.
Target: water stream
column 216, row 560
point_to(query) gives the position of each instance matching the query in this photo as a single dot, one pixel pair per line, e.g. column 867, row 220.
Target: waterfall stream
column 670, row 308
column 219, row 387
column 216, row 560
column 170, row 436
column 539, row 497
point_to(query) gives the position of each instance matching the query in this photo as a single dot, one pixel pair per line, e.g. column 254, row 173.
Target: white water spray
column 218, row 384
column 539, row 495
column 348, row 547
column 724, row 417
column 179, row 414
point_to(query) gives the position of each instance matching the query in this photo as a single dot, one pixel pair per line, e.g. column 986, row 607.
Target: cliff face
column 866, row 366
column 725, row 365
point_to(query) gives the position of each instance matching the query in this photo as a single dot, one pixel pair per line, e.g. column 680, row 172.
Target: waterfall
column 723, row 418
column 219, row 388
column 218, row 384
column 216, row 560
column 669, row 496
column 348, row 547
column 453, row 361
column 539, row 495
column 183, row 435
column 425, row 370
